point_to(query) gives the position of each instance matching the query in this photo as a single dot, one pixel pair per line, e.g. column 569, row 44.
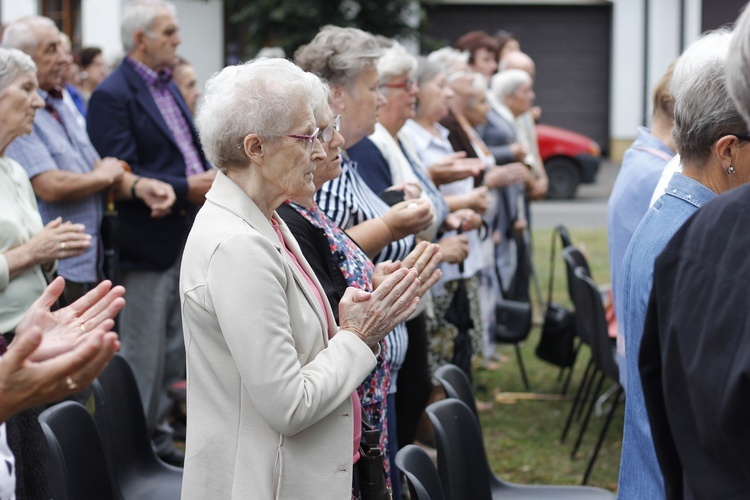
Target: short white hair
column 14, row 63
column 738, row 65
column 507, row 82
column 139, row 15
column 396, row 61
column 448, row 57
column 713, row 46
column 259, row 97
column 21, row 35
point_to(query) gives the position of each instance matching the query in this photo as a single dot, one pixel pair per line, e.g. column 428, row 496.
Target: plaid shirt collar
column 151, row 77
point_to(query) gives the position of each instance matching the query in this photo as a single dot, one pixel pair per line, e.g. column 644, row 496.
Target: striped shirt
column 52, row 146
column 158, row 86
column 348, row 201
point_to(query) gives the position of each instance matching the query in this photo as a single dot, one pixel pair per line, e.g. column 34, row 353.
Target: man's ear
column 139, row 37
column 253, row 146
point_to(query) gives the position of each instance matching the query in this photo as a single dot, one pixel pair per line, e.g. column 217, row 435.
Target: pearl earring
column 730, row 170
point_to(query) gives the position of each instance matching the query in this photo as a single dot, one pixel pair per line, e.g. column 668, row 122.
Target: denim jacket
column 640, row 476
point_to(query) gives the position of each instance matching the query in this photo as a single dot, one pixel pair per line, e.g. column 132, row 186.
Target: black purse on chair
column 557, row 343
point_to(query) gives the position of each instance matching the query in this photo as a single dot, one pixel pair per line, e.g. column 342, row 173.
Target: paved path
column 587, row 211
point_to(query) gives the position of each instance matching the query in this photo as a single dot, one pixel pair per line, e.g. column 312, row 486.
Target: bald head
column 518, row 60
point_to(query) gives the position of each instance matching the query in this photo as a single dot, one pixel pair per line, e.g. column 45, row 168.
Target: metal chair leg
column 588, row 416
column 523, row 369
column 566, row 384
column 577, row 400
column 618, row 396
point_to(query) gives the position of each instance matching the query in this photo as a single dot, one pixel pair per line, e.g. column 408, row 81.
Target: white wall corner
column 627, row 76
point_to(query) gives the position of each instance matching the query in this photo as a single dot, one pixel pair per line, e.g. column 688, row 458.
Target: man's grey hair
column 139, row 15
column 14, row 63
column 339, row 55
column 738, row 65
column 713, row 46
column 507, row 82
column 260, row 97
column 395, row 62
column 704, row 112
column 20, row 33
column 448, row 58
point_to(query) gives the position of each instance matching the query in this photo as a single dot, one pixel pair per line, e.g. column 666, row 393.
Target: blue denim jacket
column 639, row 173
column 640, row 477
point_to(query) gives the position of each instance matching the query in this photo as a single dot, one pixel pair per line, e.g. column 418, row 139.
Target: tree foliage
column 290, row 23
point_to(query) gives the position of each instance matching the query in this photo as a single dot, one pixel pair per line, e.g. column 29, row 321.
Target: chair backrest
column 77, row 463
column 574, row 259
column 457, row 386
column 134, row 466
column 417, row 466
column 462, row 462
column 565, row 240
column 601, row 345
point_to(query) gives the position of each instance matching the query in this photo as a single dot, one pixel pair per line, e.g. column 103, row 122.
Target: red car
column 569, row 159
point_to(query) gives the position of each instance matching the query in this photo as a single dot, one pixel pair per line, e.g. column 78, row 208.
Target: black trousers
column 414, row 382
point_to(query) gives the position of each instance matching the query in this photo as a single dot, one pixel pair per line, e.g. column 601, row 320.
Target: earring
column 730, row 170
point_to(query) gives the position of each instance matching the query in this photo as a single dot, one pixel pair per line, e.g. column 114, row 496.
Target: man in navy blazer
column 137, row 114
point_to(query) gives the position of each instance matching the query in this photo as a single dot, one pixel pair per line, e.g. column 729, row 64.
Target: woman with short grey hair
column 714, row 145
column 261, row 340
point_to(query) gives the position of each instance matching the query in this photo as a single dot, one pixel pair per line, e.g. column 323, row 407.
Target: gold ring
column 71, row 384
column 83, row 328
column 62, row 245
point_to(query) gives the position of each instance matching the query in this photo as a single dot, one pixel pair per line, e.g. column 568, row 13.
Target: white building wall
column 10, row 10
column 100, row 26
column 201, row 28
column 202, row 33
column 627, row 75
column 628, row 92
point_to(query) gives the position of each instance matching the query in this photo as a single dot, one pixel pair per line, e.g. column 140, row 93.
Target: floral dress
column 357, row 269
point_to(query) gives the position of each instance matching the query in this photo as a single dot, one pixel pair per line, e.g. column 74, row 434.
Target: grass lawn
column 522, row 438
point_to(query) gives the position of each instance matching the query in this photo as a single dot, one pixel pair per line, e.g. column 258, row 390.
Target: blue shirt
column 52, row 146
column 640, row 476
column 641, row 168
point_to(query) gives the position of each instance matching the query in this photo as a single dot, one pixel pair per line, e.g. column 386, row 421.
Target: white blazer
column 269, row 407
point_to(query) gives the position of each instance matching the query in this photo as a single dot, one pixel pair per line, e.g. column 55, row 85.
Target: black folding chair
column 77, row 462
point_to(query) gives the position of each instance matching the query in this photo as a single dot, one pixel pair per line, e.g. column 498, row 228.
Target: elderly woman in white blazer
column 270, row 374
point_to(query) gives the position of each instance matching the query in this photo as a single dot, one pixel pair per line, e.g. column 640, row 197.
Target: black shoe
column 173, row 457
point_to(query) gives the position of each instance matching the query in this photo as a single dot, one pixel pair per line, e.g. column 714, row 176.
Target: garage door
column 571, row 48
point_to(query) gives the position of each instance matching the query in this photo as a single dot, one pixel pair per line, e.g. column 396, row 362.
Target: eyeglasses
column 407, row 84
column 459, row 74
column 308, row 138
column 326, row 134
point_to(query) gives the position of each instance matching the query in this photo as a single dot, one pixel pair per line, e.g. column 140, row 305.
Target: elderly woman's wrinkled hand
column 58, row 240
column 70, row 326
column 25, row 383
column 408, row 217
column 465, row 218
column 454, row 167
column 425, row 259
column 372, row 315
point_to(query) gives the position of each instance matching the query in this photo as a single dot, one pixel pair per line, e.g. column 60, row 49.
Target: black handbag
column 513, row 308
column 557, row 343
column 373, row 484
